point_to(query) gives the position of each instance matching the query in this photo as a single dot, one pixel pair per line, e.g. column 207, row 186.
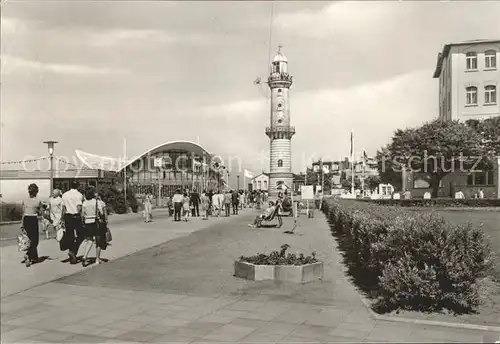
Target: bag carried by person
column 60, row 233
column 109, row 237
column 23, row 241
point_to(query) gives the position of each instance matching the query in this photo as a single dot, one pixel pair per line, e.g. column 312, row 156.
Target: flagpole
column 363, row 174
column 352, row 162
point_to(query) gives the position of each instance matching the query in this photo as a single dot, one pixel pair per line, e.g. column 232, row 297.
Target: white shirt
column 55, row 210
column 178, row 198
column 71, row 200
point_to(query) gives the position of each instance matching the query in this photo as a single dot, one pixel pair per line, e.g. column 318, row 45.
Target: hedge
column 11, row 212
column 410, row 262
column 438, row 202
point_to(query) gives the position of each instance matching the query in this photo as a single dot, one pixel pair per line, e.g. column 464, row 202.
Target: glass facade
column 180, row 169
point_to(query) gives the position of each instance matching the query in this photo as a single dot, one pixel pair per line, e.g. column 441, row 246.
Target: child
column 45, row 223
column 185, row 207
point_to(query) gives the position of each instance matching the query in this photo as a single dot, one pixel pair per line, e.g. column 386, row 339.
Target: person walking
column 258, row 199
column 72, row 210
column 29, row 224
column 177, row 200
column 55, row 209
column 94, row 219
column 186, row 206
column 227, row 202
column 205, row 205
column 210, row 195
column 195, row 203
column 235, row 200
column 148, row 207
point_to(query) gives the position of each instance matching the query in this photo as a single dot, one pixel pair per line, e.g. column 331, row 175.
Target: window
column 260, row 185
column 280, row 163
column 279, row 90
column 471, row 60
column 490, row 59
column 265, row 184
column 280, row 105
column 490, row 94
column 471, row 95
column 480, row 178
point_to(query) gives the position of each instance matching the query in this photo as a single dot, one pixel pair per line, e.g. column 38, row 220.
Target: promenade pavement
column 183, row 291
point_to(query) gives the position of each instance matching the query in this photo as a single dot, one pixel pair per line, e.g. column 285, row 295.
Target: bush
column 438, row 202
column 409, row 262
column 11, row 212
column 115, row 200
column 280, row 258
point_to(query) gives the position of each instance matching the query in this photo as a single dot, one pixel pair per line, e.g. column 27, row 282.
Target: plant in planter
column 279, row 265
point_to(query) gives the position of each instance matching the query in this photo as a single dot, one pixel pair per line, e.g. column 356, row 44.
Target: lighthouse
column 280, row 131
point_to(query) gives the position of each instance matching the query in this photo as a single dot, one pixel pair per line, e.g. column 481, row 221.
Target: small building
column 260, row 182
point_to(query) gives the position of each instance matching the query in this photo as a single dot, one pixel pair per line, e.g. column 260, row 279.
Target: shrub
column 115, row 200
column 438, row 202
column 11, row 212
column 132, row 202
column 280, row 258
column 409, row 261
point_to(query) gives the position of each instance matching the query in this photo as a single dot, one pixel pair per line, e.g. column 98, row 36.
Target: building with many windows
column 469, row 78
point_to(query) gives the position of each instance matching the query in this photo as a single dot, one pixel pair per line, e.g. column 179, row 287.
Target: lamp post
column 238, row 183
column 50, row 145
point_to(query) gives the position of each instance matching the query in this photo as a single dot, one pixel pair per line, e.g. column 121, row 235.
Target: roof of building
column 261, row 174
column 173, row 145
column 280, row 58
column 447, row 47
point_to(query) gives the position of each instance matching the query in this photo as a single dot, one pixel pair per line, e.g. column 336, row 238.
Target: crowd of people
column 75, row 219
column 190, row 203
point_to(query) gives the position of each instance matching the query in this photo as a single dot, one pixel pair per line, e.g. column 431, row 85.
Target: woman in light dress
column 185, row 206
column 148, row 200
column 55, row 209
column 31, row 211
column 205, row 204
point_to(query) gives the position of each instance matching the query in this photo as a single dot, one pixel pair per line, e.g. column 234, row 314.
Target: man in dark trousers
column 235, row 201
column 195, row 202
column 210, row 195
column 71, row 213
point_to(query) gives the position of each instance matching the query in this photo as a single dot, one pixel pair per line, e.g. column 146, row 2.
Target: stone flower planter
column 284, row 273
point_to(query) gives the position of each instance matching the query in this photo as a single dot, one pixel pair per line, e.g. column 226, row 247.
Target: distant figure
column 55, row 209
column 427, row 195
column 195, row 203
column 258, row 199
column 407, row 194
column 481, row 193
column 205, row 205
column 186, row 206
column 148, row 207
column 235, row 200
column 227, row 202
column 242, row 200
column 459, row 195
column 177, row 200
column 93, row 215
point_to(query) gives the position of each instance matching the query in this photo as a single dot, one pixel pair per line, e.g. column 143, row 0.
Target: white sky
column 91, row 74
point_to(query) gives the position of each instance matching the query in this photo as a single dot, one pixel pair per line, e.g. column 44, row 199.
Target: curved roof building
column 174, row 165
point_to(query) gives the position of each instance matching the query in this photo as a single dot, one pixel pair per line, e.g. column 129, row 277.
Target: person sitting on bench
column 266, row 215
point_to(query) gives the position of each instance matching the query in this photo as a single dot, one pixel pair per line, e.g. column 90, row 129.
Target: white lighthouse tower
column 280, row 132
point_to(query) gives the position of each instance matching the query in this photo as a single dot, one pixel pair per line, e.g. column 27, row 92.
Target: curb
column 464, row 326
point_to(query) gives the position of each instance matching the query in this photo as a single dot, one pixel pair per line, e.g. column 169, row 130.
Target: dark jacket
column 195, row 198
column 235, row 198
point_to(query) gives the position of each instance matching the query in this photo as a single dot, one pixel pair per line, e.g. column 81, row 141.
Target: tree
column 314, row 178
column 436, row 148
column 372, row 182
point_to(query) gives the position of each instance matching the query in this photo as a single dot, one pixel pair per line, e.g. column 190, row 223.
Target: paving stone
column 125, row 325
column 144, row 319
column 19, row 334
column 354, row 334
column 320, row 333
column 366, row 327
column 170, row 339
column 259, row 316
column 82, row 329
column 302, row 340
column 139, row 336
column 212, row 318
column 229, row 333
column 157, row 328
column 230, row 314
column 244, row 306
column 390, row 331
column 85, row 338
column 52, row 336
column 209, row 326
column 262, row 337
column 192, row 331
column 172, row 322
column 192, row 301
column 113, row 333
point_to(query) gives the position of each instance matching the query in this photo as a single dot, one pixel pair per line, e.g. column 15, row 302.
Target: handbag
column 109, row 237
column 60, row 233
column 23, row 241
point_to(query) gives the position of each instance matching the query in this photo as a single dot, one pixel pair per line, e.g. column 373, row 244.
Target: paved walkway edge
column 466, row 326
